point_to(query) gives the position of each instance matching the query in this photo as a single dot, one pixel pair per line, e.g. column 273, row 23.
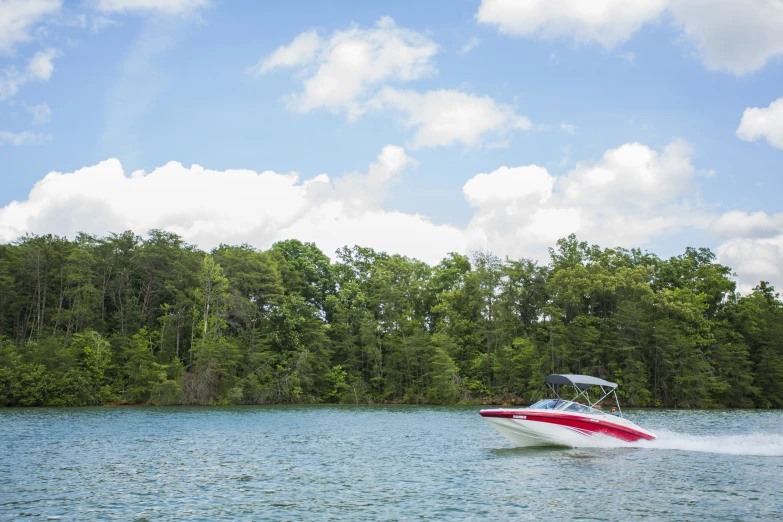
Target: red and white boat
column 562, row 422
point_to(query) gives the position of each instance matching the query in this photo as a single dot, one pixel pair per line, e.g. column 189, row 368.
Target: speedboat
column 561, row 422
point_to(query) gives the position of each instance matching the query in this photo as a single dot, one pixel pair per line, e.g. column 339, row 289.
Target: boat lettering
column 523, row 417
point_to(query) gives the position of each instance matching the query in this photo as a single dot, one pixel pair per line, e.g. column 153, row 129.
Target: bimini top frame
column 578, row 381
column 582, row 383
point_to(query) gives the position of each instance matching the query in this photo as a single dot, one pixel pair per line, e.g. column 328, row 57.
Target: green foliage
column 340, row 388
column 445, row 384
column 154, row 320
column 143, row 372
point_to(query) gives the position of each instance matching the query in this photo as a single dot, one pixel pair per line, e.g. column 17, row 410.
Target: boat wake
column 756, row 444
column 761, row 444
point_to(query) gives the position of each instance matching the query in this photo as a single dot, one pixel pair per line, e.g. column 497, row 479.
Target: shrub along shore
column 125, row 319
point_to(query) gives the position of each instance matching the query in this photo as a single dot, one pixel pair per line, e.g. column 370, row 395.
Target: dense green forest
column 126, row 319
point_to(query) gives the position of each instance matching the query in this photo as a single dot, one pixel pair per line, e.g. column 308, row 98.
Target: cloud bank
column 728, row 35
column 631, row 195
column 209, row 207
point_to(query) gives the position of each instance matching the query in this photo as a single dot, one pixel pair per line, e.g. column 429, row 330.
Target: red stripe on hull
column 590, row 425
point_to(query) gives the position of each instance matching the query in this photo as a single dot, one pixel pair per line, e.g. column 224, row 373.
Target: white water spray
column 758, row 444
column 761, row 444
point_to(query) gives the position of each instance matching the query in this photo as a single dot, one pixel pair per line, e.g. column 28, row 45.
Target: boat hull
column 545, row 428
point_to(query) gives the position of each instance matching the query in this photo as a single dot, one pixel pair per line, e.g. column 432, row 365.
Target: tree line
column 155, row 320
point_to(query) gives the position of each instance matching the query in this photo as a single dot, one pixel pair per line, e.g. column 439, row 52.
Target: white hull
column 535, row 427
column 529, row 434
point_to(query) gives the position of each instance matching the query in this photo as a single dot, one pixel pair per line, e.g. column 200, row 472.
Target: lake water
column 377, row 463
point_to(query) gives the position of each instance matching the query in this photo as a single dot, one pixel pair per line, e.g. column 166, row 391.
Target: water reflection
column 534, row 451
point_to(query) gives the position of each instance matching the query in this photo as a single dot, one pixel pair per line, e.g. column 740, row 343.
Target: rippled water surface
column 382, row 463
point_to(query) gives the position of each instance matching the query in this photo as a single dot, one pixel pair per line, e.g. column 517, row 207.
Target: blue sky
column 441, row 126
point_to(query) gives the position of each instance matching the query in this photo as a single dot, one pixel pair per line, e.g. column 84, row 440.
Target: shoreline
column 482, row 404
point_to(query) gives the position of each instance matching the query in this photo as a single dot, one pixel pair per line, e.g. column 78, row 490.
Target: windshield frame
column 566, row 406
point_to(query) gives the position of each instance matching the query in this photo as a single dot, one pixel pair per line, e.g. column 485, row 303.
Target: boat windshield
column 562, row 405
column 545, row 404
column 577, row 407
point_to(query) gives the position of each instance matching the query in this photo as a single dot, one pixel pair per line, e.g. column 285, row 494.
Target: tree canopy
column 155, row 320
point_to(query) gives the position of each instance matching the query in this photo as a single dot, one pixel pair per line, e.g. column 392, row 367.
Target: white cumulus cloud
column 752, row 225
column 340, row 72
column 531, row 184
column 447, row 116
column 632, row 195
column 208, row 207
column 632, row 176
column 18, row 17
column 607, row 22
column 752, row 245
column 765, row 122
column 729, row 35
column 754, row 260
